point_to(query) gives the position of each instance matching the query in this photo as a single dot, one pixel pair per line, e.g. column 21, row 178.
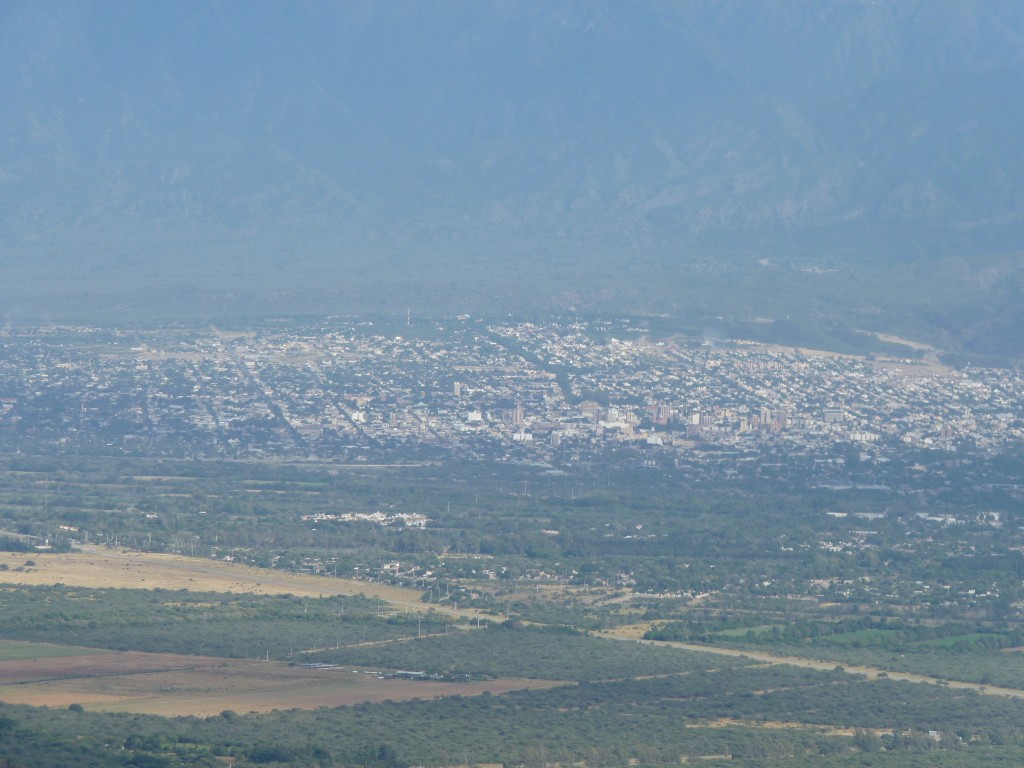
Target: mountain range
column 840, row 163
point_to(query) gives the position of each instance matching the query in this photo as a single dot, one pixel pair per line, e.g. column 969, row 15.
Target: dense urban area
column 557, row 393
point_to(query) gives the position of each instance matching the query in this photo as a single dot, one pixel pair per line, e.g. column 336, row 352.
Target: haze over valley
column 840, row 164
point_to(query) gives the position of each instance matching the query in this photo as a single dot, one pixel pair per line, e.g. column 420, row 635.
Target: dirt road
column 628, row 634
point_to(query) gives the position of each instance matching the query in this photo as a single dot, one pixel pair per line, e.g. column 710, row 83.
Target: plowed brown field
column 169, row 684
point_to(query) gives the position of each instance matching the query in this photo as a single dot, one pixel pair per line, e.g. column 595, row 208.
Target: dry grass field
column 169, row 684
column 144, row 570
column 95, row 568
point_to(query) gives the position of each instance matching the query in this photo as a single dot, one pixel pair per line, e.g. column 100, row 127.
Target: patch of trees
column 511, row 650
column 604, row 724
column 212, row 624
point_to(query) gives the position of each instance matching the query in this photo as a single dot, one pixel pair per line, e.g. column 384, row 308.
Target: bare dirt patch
column 727, row 722
column 634, row 631
column 923, row 368
column 929, row 365
column 101, row 664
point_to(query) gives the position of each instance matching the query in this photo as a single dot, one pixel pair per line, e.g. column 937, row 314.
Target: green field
column 15, row 650
column 865, row 637
column 744, row 631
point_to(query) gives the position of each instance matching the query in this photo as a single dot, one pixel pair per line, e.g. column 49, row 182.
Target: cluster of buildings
column 553, row 393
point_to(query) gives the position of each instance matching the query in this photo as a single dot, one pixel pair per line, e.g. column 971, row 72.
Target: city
column 556, row 394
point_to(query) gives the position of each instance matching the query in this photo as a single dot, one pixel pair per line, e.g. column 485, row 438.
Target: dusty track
column 629, row 634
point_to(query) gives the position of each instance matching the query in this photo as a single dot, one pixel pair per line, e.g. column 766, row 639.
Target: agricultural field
column 175, row 613
column 121, row 568
column 170, row 684
column 14, row 650
column 747, row 715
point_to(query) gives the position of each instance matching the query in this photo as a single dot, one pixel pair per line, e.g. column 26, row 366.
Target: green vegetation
column 977, row 652
column 509, row 650
column 211, row 624
column 545, row 560
column 11, row 650
column 655, row 721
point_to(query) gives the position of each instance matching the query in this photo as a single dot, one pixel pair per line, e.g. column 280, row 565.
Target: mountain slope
column 534, row 154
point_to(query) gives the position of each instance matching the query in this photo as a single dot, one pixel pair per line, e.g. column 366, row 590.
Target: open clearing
column 45, row 667
column 148, row 570
column 103, row 568
column 12, row 650
column 170, row 684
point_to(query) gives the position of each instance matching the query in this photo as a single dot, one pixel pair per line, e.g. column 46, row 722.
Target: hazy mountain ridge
column 594, row 142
